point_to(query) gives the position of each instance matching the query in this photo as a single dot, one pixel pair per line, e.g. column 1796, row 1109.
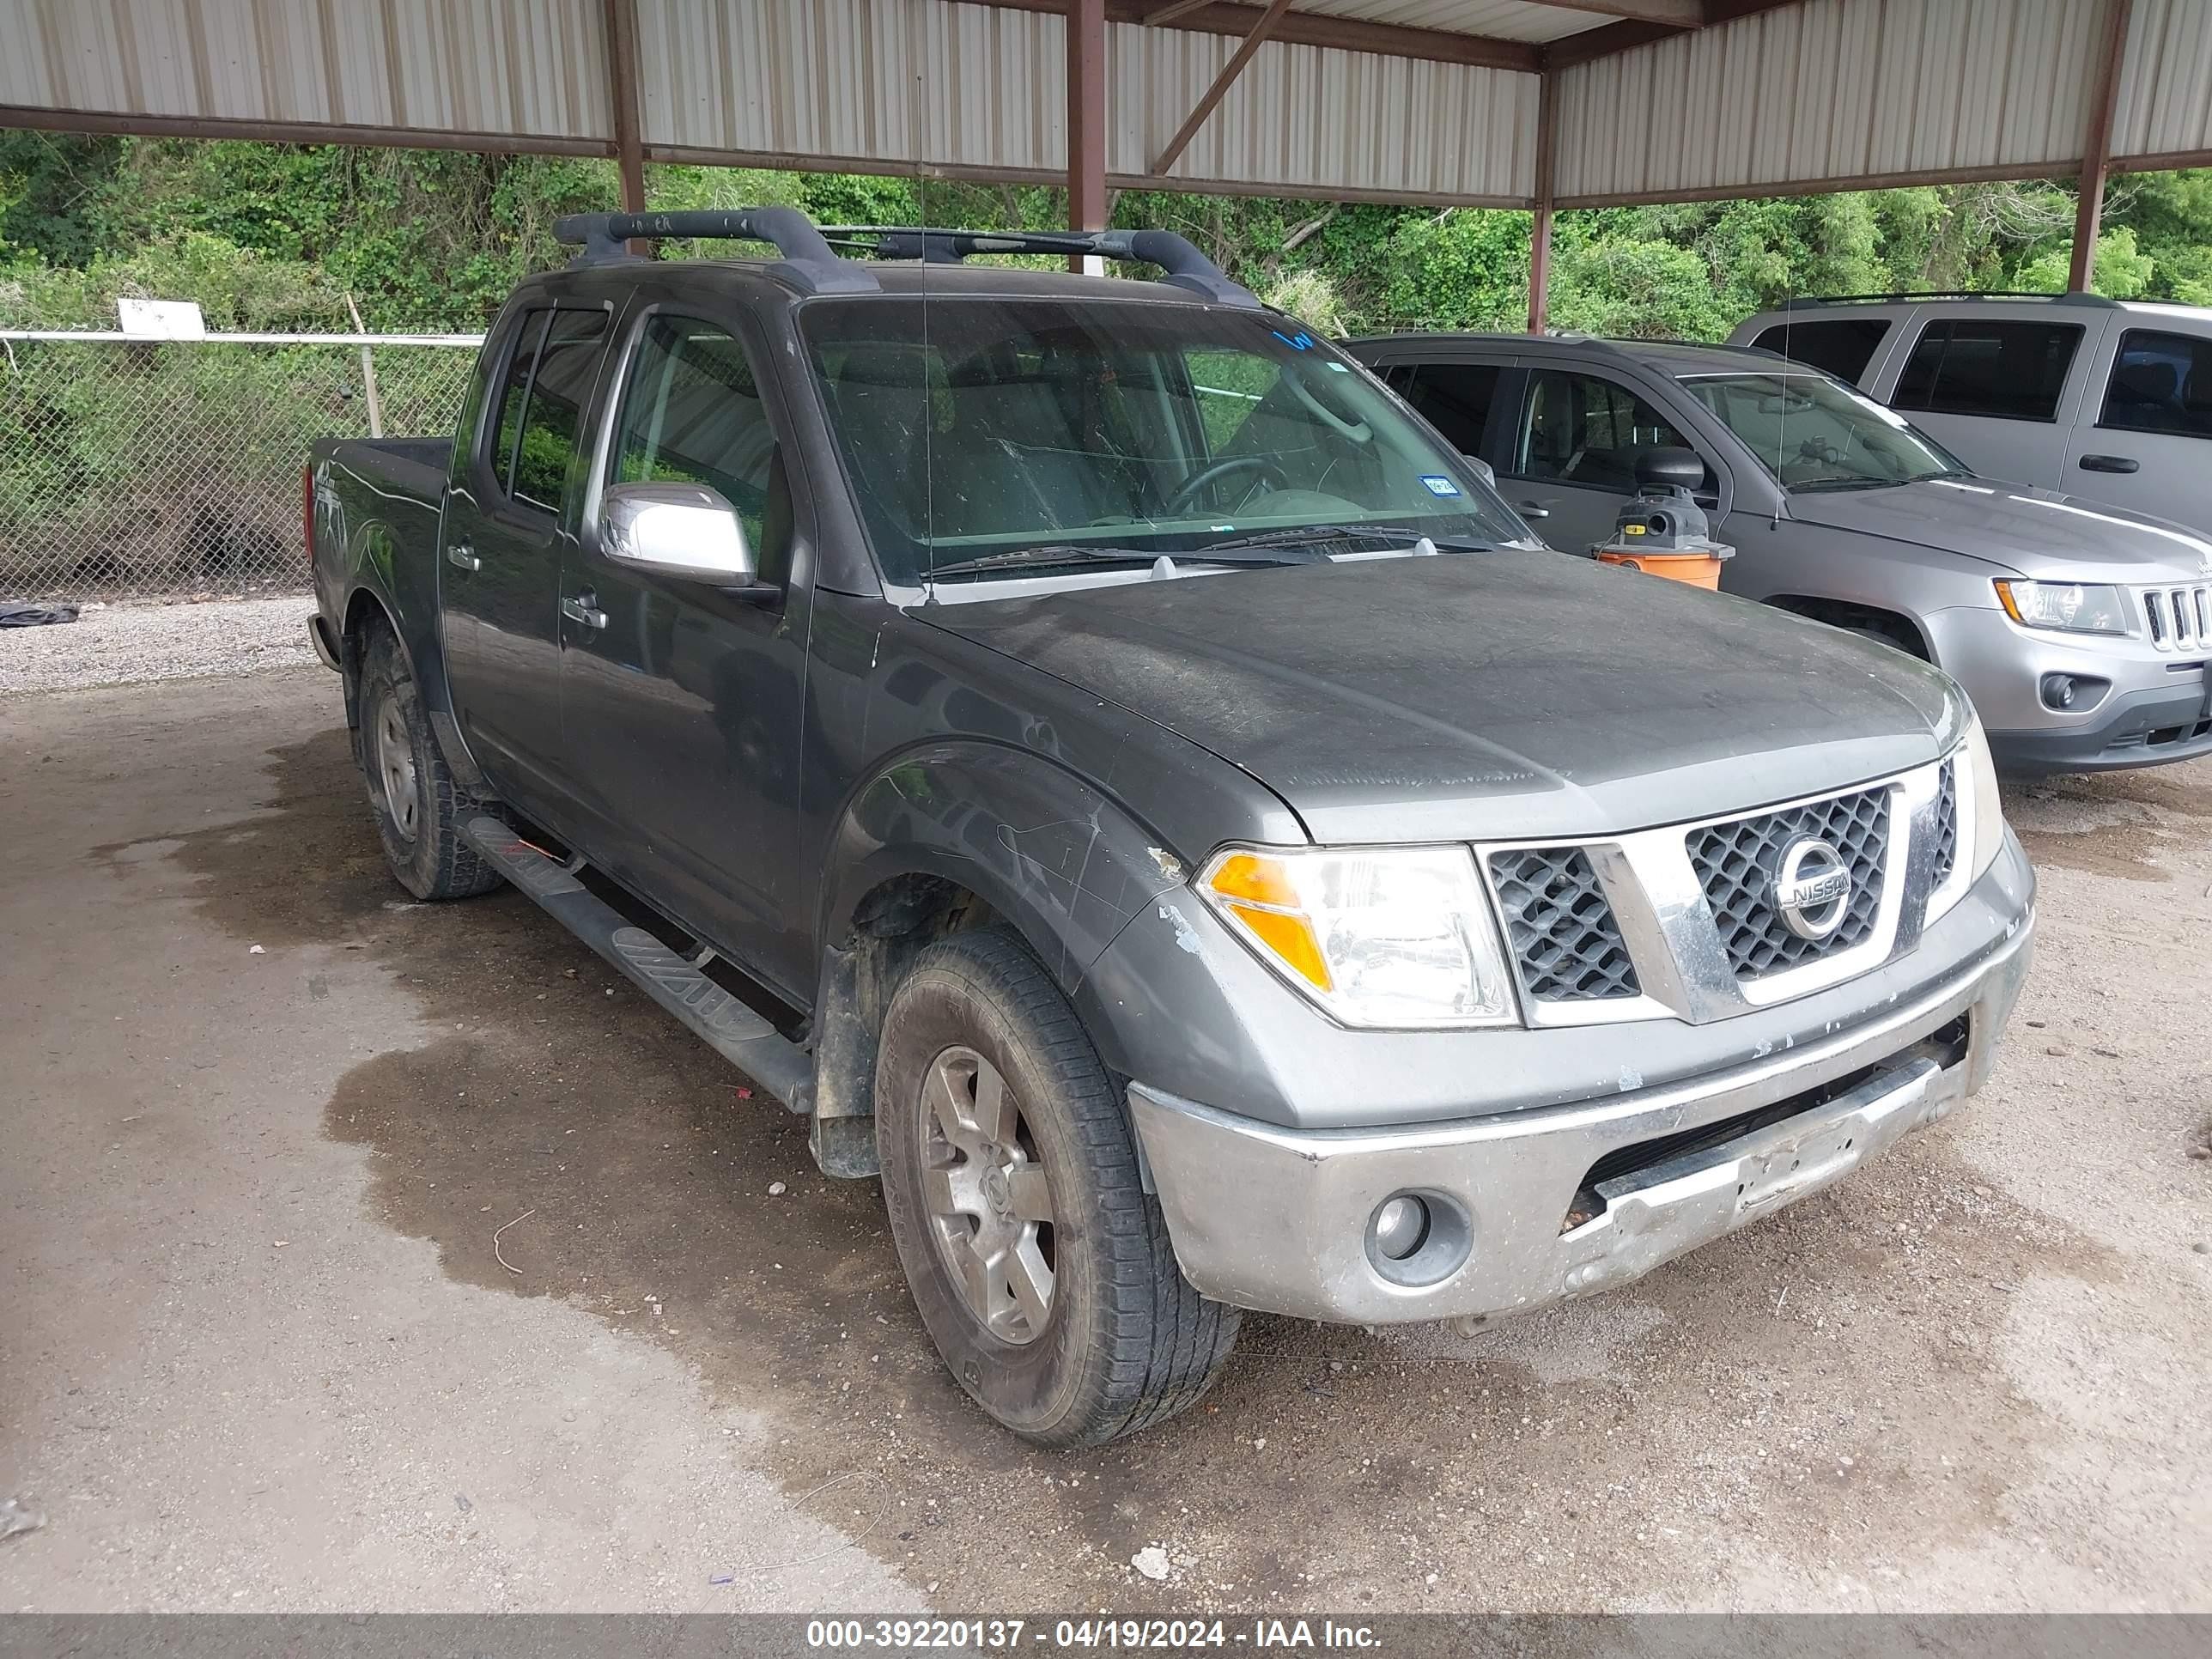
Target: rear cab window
column 2161, row 382
column 1843, row 346
column 1997, row 368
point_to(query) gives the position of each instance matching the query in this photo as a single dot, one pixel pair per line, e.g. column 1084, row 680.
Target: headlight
column 2068, row 607
column 1979, row 817
column 1987, row 809
column 1378, row 936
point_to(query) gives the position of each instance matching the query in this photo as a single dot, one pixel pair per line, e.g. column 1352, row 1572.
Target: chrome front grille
column 1565, row 940
column 2178, row 618
column 1688, row 921
column 1946, row 824
column 1739, row 862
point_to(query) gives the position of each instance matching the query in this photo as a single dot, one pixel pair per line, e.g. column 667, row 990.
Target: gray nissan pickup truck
column 1132, row 788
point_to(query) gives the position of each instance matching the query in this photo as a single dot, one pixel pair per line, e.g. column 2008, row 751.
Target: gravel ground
column 123, row 644
column 362, row 1254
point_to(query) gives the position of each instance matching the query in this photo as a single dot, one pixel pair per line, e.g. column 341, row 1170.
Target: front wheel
column 1040, row 1266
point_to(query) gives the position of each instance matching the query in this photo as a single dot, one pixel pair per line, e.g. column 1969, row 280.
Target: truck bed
column 413, row 468
column 378, row 502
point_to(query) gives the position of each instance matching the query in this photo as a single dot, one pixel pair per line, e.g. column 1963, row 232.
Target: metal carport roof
column 1527, row 103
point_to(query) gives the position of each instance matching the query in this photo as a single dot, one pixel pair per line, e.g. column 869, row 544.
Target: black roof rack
column 808, row 264
column 811, row 263
column 1186, row 267
column 1804, row 300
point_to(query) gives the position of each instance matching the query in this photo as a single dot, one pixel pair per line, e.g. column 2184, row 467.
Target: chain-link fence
column 169, row 469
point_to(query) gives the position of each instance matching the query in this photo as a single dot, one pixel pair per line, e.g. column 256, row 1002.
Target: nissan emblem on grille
column 1738, row 864
column 1812, row 889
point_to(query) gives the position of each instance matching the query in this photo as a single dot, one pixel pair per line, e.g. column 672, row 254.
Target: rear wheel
column 412, row 795
column 1040, row 1266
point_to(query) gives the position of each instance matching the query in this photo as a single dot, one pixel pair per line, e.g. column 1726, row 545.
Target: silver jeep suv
column 2079, row 629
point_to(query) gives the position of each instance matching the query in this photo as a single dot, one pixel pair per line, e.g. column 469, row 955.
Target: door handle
column 2109, row 464
column 463, row 556
column 1530, row 510
column 584, row 609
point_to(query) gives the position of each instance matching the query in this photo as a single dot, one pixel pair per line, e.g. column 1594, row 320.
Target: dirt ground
column 358, row 1254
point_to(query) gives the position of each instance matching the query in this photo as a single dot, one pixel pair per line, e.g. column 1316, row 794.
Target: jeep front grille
column 1565, row 941
column 2179, row 619
column 1737, row 863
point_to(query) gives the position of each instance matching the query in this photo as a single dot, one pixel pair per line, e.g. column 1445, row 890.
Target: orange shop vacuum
column 1662, row 530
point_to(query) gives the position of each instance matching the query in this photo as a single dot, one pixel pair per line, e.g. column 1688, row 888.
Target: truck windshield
column 1815, row 434
column 971, row 427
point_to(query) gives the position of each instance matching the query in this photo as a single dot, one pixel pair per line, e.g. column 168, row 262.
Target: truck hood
column 2029, row 532
column 1489, row 696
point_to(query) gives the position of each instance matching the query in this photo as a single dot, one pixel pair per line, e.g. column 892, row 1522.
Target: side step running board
column 725, row 1025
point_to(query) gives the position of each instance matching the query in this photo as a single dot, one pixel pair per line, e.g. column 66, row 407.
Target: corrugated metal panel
column 2165, row 106
column 1502, row 20
column 1311, row 118
column 867, row 80
column 943, row 84
column 1834, row 90
column 522, row 67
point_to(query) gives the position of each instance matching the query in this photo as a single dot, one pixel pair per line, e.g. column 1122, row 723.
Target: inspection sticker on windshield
column 1438, row 484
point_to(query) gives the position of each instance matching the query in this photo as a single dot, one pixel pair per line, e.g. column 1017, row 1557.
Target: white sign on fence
column 161, row 319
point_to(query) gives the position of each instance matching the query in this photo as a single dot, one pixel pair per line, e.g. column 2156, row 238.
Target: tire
column 1124, row 1341
column 417, row 806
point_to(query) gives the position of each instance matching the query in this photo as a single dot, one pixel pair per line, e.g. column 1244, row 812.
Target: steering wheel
column 1263, row 467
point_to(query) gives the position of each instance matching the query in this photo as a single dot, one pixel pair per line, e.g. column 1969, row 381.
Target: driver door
column 685, row 702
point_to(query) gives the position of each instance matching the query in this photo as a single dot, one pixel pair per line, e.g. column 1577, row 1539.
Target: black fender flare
column 1062, row 861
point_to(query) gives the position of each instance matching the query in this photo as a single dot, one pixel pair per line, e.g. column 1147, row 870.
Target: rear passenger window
column 2161, row 383
column 513, row 388
column 2009, row 371
column 553, row 413
column 1454, row 398
column 1581, row 429
column 1844, row 346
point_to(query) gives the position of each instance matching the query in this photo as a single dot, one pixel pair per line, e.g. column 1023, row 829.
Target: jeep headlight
column 2065, row 607
column 1384, row 937
column 1979, row 813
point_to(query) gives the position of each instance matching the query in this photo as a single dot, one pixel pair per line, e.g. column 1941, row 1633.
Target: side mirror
column 684, row 530
column 1483, row 469
column 1681, row 469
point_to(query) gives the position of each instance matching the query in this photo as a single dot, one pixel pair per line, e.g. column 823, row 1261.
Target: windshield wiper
column 1819, row 486
column 1087, row 553
column 1307, row 535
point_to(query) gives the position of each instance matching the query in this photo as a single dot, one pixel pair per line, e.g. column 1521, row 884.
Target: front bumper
column 2145, row 708
column 1279, row 1219
column 2149, row 727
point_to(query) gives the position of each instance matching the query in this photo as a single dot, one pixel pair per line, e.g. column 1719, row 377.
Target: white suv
column 2104, row 399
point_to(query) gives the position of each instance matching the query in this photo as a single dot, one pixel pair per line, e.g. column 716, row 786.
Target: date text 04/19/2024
column 1076, row 1634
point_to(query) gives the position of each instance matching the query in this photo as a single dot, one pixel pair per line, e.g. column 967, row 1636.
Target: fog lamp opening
column 2071, row 694
column 1416, row 1239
